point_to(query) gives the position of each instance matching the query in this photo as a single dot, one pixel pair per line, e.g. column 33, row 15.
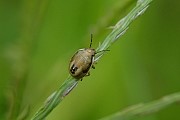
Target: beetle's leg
column 93, row 66
column 94, row 62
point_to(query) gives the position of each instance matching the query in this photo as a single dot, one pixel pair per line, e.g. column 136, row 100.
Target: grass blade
column 145, row 109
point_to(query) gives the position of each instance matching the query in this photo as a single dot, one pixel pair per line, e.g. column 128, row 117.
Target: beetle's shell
column 81, row 62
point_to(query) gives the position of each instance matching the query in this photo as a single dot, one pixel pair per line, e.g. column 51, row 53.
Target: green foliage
column 37, row 39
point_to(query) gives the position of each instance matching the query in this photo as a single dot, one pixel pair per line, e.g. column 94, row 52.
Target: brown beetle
column 81, row 62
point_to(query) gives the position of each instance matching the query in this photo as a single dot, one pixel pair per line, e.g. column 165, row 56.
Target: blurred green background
column 38, row 38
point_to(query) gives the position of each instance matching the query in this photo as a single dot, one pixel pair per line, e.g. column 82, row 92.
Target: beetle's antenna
column 102, row 51
column 91, row 40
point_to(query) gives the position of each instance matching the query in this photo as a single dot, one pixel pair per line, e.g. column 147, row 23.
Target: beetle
column 81, row 62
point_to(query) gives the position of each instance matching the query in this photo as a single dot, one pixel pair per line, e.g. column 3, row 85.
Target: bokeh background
column 38, row 38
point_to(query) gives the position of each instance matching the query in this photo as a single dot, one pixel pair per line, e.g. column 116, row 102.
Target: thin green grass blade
column 143, row 109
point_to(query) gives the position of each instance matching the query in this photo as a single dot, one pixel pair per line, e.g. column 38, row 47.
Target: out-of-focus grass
column 141, row 67
column 144, row 109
